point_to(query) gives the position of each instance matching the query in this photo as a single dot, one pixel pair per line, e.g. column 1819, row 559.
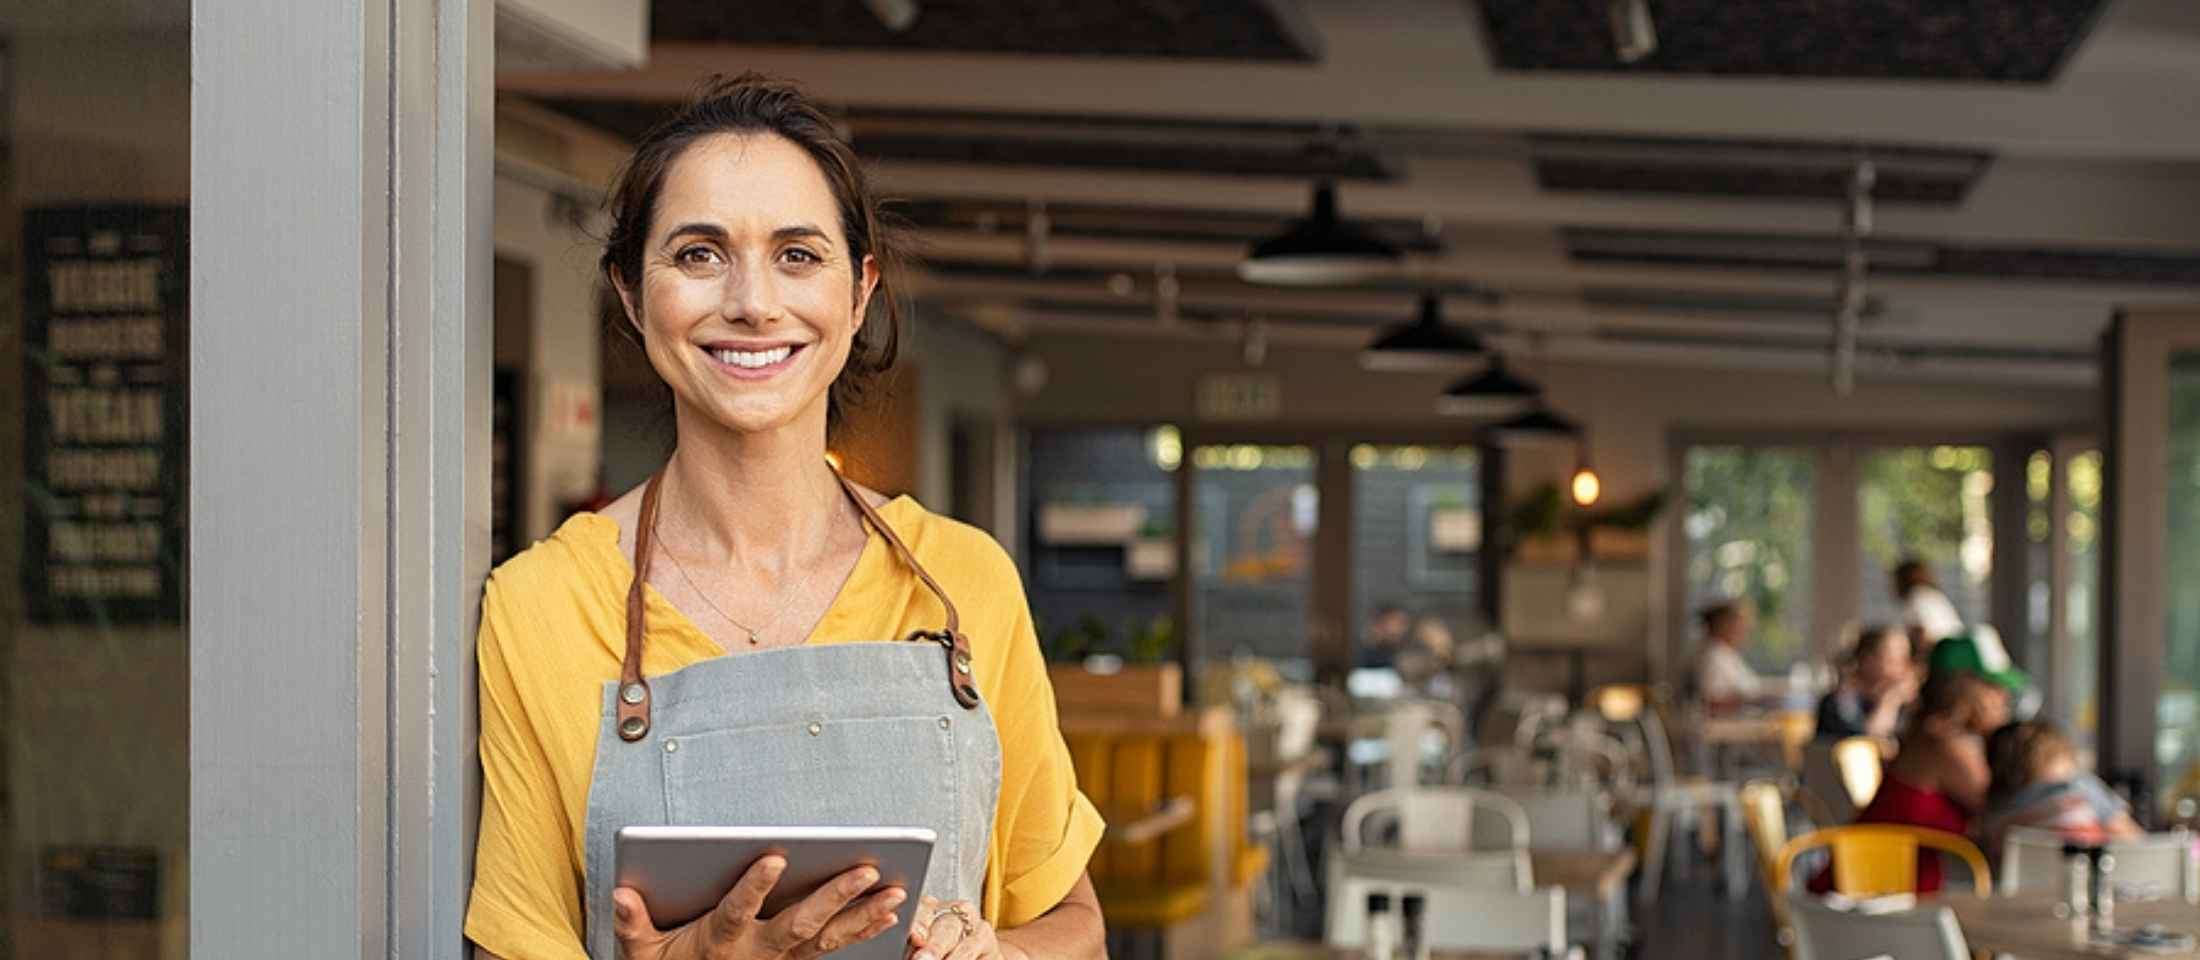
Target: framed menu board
column 105, row 359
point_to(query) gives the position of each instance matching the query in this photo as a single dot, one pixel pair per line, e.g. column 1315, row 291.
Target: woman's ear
column 866, row 284
column 627, row 302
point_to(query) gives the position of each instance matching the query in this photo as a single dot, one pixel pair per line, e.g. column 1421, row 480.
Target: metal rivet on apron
column 672, row 746
column 632, row 726
column 945, row 723
column 962, row 662
column 816, row 728
column 631, row 693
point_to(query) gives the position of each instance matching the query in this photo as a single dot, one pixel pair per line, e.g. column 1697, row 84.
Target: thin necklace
column 700, row 592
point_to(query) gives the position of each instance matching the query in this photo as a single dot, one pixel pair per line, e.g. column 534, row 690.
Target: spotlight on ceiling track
column 1634, row 34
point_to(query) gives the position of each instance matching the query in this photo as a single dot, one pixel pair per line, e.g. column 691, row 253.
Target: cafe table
column 2025, row 926
column 1789, row 730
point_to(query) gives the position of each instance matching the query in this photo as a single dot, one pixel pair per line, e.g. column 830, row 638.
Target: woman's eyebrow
column 708, row 231
column 800, row 231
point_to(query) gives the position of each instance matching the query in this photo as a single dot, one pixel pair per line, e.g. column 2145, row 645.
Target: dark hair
column 1711, row 615
column 755, row 104
column 2018, row 753
column 1954, row 694
column 1909, row 573
column 1870, row 639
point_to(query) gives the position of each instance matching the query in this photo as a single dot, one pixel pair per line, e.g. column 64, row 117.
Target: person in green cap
column 1980, row 652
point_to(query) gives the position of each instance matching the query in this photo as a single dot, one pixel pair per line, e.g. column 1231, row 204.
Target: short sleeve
column 1046, row 828
column 526, row 900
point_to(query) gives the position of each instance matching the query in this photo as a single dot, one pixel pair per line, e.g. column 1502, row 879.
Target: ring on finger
column 962, row 915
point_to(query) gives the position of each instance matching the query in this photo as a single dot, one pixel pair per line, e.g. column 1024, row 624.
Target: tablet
column 682, row 872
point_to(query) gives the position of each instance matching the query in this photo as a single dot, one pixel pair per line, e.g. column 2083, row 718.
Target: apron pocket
column 872, row 772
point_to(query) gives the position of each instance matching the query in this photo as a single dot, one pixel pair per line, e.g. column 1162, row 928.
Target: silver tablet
column 682, row 872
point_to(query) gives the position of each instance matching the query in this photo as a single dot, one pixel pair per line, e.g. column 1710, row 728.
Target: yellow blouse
column 553, row 624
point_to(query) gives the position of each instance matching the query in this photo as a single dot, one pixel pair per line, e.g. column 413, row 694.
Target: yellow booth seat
column 1176, row 859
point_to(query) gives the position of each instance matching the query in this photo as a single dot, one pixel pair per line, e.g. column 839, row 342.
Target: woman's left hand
column 955, row 931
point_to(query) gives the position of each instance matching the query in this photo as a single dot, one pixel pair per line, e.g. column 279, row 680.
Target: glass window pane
column 1930, row 503
column 2081, row 607
column 1748, row 525
column 2178, row 713
column 1102, row 541
column 1416, row 541
column 95, row 129
column 1253, row 554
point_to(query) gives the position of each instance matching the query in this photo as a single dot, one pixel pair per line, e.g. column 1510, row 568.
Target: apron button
column 631, row 693
column 672, row 746
column 816, row 728
column 962, row 662
column 945, row 723
column 632, row 726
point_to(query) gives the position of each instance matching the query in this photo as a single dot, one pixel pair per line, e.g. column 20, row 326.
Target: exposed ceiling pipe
column 1850, row 299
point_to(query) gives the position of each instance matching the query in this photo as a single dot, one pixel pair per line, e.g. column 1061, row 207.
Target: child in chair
column 2037, row 783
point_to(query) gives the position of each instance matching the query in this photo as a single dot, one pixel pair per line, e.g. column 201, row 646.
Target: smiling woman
column 747, row 251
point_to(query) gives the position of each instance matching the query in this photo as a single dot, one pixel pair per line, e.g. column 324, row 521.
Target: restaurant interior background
column 1804, row 287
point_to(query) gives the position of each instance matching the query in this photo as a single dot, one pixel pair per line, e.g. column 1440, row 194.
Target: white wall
column 963, row 377
column 533, row 228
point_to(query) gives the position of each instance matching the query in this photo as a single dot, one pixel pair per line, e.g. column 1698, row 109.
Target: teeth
column 752, row 359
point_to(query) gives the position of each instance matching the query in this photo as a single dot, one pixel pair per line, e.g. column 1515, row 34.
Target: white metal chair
column 1461, row 919
column 2156, row 865
column 1439, row 820
column 1824, row 933
column 1671, row 797
column 1561, row 818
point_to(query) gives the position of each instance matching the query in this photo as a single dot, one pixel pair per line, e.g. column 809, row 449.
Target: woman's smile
column 754, row 361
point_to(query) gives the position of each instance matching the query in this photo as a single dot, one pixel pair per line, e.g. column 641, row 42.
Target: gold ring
column 962, row 913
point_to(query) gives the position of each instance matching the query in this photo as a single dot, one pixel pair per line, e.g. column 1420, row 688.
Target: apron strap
column 960, row 680
column 634, row 689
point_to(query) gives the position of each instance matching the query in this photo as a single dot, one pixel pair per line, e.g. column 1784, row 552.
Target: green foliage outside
column 1748, row 521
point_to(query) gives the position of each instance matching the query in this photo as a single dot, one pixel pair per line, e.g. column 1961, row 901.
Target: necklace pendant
column 752, row 638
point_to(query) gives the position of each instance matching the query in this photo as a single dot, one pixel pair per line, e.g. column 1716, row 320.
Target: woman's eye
column 801, row 256
column 696, row 255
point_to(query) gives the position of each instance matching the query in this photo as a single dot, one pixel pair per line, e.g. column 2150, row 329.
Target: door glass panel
column 95, row 147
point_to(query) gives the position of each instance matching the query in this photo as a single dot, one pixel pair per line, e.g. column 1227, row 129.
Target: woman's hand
column 829, row 919
column 955, row 931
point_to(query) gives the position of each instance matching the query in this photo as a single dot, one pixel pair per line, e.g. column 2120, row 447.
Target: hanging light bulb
column 1586, row 486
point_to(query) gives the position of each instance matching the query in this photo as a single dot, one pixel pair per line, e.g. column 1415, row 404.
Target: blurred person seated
column 1878, row 684
column 1385, row 633
column 1980, row 652
column 1940, row 778
column 1723, row 678
column 1926, row 611
column 2037, row 783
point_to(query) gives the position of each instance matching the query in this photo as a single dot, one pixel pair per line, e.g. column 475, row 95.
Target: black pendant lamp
column 1539, row 425
column 1428, row 343
column 1320, row 249
column 1493, row 392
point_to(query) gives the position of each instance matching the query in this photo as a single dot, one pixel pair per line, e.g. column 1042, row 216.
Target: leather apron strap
column 633, row 698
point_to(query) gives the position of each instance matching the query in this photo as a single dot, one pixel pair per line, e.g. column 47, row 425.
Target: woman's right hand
column 830, row 918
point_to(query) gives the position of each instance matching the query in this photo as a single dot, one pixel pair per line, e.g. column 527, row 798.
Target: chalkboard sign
column 99, row 883
column 104, row 364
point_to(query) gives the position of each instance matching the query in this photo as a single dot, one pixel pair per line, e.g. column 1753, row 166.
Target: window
column 1747, row 521
column 1417, row 535
column 1929, row 503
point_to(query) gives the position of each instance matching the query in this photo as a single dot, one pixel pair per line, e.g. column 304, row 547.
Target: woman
column 1926, row 611
column 1939, row 778
column 1877, row 687
column 686, row 654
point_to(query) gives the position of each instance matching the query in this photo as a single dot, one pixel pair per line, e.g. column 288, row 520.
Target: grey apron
column 849, row 734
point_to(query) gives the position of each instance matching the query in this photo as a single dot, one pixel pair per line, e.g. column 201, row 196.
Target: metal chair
column 1764, row 813
column 1462, row 919
column 1669, row 797
column 1825, row 933
column 1873, row 859
column 2157, row 865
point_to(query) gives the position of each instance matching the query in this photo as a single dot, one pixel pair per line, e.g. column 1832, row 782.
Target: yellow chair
column 1764, row 812
column 1873, row 859
column 1859, row 759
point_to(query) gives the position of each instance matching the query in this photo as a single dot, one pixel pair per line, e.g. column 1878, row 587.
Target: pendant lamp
column 1320, row 249
column 1493, row 392
column 1427, row 343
